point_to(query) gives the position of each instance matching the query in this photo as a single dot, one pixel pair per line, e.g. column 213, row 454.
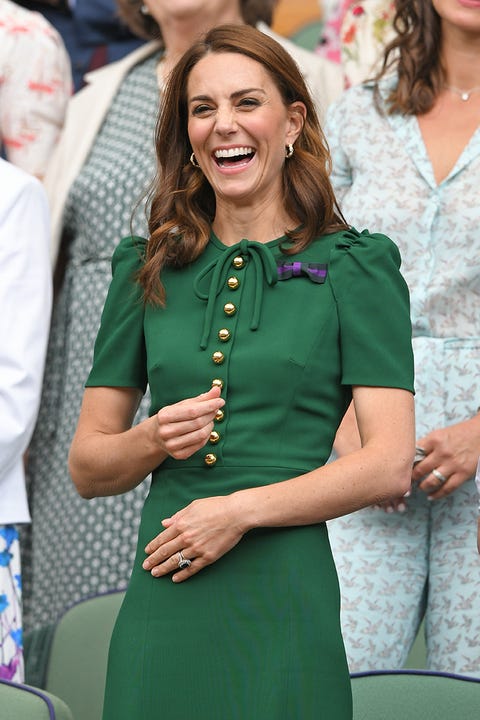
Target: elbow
column 400, row 476
column 80, row 478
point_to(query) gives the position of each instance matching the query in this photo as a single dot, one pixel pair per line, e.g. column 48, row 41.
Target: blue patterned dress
column 397, row 568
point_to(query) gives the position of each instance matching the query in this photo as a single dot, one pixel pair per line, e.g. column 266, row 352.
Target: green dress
column 256, row 635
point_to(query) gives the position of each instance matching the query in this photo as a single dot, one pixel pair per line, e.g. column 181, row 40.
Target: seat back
column 414, row 695
column 77, row 661
column 24, row 702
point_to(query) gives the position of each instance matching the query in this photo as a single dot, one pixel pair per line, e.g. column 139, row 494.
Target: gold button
column 224, row 335
column 233, row 282
column 214, row 437
column 210, row 459
column 219, row 415
column 216, row 382
column 218, row 357
column 238, row 262
column 229, row 309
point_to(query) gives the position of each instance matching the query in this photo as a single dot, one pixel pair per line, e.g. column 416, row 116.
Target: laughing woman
column 255, row 314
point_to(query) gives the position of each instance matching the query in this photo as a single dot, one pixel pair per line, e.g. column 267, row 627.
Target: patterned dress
column 72, row 543
column 11, row 644
column 396, row 568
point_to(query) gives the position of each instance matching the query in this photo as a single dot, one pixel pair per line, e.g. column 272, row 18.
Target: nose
column 225, row 120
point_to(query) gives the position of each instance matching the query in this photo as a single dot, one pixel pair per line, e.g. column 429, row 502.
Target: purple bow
column 317, row 272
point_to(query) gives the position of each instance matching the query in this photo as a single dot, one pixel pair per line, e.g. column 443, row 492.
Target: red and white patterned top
column 35, row 86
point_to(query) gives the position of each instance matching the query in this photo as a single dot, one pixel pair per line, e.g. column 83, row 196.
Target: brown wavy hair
column 182, row 202
column 415, row 54
column 145, row 26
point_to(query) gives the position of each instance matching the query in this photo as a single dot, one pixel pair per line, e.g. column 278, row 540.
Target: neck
column 461, row 59
column 262, row 223
column 181, row 31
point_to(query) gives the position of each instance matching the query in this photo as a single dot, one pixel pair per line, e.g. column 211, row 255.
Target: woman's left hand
column 451, row 456
column 203, row 532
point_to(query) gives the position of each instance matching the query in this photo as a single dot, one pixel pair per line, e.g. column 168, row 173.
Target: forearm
column 108, row 456
column 110, row 464
column 362, row 478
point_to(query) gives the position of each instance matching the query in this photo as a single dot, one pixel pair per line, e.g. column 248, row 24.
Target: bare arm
column 108, row 456
column 207, row 528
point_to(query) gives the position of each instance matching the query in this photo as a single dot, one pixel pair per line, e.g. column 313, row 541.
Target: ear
column 297, row 113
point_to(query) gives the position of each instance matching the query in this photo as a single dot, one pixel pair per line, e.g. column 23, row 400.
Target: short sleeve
column 374, row 311
column 120, row 357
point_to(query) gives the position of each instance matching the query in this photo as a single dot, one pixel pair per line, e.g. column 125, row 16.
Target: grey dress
column 68, row 551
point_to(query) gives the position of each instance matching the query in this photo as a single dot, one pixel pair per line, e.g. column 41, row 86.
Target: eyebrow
column 233, row 96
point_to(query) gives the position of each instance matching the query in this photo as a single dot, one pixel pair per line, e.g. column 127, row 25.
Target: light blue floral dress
column 397, row 568
column 11, row 648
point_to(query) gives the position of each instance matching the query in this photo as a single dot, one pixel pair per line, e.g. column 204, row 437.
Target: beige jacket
column 88, row 108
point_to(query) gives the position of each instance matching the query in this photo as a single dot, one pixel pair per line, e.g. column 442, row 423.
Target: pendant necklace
column 463, row 94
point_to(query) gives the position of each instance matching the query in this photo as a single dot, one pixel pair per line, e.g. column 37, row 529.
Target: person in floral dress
column 35, row 86
column 394, row 170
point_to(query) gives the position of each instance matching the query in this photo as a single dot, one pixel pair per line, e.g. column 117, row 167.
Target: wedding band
column 183, row 562
column 440, row 476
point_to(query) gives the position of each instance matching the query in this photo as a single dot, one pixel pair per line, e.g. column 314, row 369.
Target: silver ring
column 183, row 562
column 440, row 476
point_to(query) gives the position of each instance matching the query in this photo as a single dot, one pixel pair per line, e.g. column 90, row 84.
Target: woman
column 102, row 166
column 366, row 29
column 406, row 158
column 35, row 87
column 25, row 299
column 247, row 392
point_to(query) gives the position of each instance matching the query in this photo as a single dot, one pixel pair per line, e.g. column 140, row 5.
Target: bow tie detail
column 265, row 269
column 317, row 272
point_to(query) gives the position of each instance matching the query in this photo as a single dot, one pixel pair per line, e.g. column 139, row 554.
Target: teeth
column 234, row 152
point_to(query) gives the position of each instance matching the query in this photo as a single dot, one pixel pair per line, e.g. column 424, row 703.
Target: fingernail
column 401, row 507
column 389, row 509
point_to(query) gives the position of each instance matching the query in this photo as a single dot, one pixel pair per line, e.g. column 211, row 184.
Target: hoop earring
column 193, row 160
column 289, row 150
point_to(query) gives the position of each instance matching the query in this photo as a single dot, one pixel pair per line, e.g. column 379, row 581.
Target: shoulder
column 366, row 247
column 28, row 26
column 129, row 255
column 355, row 97
column 94, row 99
column 119, row 68
column 356, row 106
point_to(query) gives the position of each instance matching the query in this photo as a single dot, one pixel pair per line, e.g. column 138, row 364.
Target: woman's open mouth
column 234, row 157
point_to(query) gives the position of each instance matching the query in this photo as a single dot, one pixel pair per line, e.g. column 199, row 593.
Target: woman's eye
column 249, row 102
column 201, row 110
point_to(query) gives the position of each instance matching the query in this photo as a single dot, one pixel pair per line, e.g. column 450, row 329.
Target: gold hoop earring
column 193, row 160
column 289, row 151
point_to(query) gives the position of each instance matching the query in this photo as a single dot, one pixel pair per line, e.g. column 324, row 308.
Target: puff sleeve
column 120, row 355
column 374, row 311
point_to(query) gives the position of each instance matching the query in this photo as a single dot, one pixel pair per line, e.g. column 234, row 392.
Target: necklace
column 463, row 94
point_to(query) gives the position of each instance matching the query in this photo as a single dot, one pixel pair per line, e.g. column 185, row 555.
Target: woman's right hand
column 185, row 427
column 109, row 456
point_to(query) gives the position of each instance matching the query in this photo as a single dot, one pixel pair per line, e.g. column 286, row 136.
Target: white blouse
column 25, row 305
